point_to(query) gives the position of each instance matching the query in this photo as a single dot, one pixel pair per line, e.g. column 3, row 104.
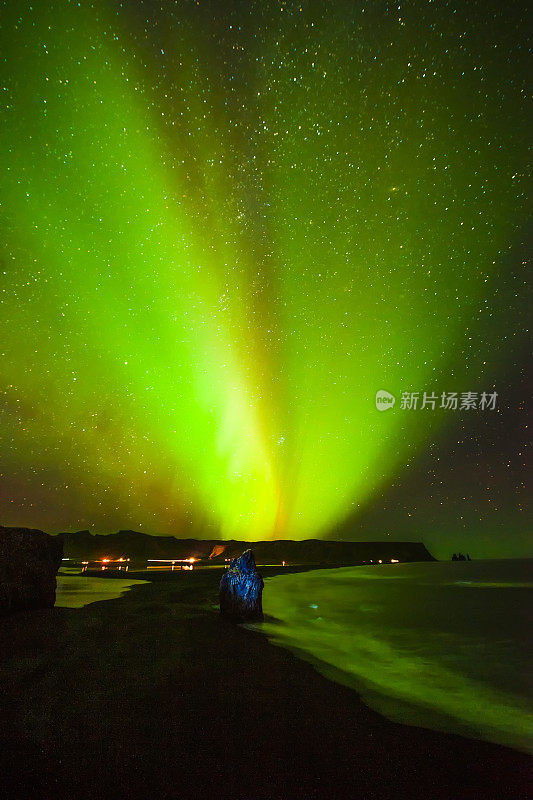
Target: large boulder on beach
column 241, row 589
column 29, row 560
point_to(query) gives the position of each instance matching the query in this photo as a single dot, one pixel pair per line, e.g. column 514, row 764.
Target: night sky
column 225, row 227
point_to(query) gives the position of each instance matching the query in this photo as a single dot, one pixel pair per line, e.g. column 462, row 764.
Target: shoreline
column 153, row 694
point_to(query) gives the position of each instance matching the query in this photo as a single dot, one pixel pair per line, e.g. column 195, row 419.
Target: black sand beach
column 154, row 695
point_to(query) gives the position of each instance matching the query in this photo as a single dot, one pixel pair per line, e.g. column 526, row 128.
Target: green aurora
column 224, row 232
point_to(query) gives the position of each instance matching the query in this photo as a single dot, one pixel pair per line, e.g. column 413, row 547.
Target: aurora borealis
column 226, row 226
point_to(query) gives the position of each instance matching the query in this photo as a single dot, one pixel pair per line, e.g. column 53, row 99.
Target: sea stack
column 29, row 560
column 241, row 590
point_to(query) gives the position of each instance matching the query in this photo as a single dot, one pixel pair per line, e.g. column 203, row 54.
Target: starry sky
column 225, row 227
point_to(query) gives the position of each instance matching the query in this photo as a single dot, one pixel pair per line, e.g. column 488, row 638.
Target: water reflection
column 73, row 592
column 102, row 564
column 442, row 645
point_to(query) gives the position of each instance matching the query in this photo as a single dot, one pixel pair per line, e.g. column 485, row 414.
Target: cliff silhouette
column 140, row 546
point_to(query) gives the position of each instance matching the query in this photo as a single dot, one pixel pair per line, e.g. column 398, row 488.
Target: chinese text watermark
column 449, row 401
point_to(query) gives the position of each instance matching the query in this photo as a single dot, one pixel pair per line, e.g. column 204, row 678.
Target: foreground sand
column 153, row 695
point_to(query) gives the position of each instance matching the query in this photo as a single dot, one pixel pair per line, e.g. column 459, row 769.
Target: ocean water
column 76, row 592
column 444, row 645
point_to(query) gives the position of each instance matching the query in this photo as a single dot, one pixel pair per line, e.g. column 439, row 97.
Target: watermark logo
column 449, row 401
column 384, row 400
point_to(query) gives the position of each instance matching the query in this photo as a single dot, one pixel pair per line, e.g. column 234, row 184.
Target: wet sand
column 153, row 695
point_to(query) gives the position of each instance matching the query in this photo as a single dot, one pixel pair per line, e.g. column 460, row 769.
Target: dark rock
column 241, row 589
column 29, row 560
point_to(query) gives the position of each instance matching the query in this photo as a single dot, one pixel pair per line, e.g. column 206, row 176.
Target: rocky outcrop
column 241, row 590
column 29, row 560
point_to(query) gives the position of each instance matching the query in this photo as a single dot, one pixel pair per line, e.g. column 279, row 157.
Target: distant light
column 109, row 562
column 282, row 563
column 394, row 561
column 380, row 561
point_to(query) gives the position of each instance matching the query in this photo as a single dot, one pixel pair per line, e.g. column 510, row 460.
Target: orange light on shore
column 170, row 563
column 106, row 563
column 172, row 560
column 394, row 561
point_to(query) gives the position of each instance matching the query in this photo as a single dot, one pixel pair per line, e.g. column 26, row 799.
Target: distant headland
column 82, row 545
